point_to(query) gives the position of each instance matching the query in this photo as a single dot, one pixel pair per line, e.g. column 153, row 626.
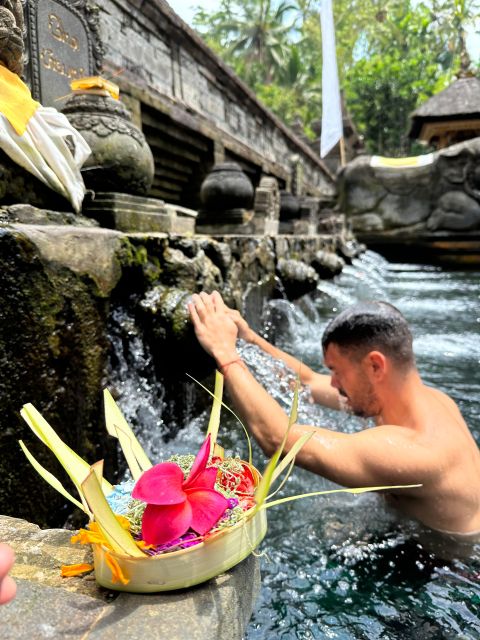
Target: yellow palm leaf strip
column 73, row 464
column 118, row 427
column 214, row 422
column 51, row 479
column 117, row 573
column 218, row 451
column 249, row 443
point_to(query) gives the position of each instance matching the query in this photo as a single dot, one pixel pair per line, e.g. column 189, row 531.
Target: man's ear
column 377, row 364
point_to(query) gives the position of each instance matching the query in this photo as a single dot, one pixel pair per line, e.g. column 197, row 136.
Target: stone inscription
column 61, row 49
column 58, row 31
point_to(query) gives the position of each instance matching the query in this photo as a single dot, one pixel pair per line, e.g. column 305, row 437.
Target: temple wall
column 58, row 307
column 166, row 67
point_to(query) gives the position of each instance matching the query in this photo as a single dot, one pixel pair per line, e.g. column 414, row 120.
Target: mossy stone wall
column 58, row 288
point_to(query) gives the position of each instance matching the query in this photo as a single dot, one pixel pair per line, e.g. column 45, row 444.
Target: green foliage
column 251, row 35
column 383, row 88
column 392, row 55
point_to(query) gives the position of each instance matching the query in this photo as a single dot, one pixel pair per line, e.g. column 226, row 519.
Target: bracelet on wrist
column 224, row 367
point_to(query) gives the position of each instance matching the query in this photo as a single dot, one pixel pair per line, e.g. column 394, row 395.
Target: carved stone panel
column 63, row 45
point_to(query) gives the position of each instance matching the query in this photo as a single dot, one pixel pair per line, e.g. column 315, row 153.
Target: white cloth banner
column 332, row 121
column 43, row 151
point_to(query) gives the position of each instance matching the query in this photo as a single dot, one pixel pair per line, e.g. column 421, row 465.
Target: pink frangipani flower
column 175, row 505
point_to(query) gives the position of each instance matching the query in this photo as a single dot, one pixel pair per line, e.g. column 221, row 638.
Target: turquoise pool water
column 344, row 567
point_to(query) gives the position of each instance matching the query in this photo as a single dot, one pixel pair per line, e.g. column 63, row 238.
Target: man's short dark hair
column 372, row 326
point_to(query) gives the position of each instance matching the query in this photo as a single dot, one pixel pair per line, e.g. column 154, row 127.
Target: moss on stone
column 53, row 354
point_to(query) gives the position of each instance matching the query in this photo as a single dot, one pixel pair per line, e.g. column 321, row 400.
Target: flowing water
column 343, row 566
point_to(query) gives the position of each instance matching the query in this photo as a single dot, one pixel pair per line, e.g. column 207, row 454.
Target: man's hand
column 214, row 328
column 244, row 331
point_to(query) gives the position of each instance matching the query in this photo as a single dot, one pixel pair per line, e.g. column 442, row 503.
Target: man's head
column 360, row 345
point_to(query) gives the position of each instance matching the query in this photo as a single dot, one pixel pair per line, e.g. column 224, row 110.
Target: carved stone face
column 11, row 35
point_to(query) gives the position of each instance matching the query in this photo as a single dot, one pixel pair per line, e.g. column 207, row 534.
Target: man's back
column 449, row 499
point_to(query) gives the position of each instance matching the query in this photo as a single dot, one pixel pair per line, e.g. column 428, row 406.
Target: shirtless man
column 420, row 436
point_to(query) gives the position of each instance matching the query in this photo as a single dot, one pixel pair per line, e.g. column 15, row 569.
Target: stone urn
column 121, row 159
column 289, row 206
column 226, row 192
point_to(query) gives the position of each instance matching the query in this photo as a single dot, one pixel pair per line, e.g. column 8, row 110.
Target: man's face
column 350, row 378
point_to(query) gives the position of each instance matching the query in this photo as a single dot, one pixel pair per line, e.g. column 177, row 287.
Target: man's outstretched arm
column 322, row 392
column 368, row 458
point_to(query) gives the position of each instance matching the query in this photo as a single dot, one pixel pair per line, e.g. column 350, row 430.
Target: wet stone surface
column 49, row 606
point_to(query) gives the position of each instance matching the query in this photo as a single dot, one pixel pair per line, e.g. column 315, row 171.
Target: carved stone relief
column 11, row 35
column 443, row 196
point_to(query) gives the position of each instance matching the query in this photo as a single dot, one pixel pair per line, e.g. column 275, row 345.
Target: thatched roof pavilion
column 451, row 116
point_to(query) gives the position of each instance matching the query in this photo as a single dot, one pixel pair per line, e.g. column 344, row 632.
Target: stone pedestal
column 265, row 226
column 267, row 207
column 130, row 213
column 245, row 228
column 308, row 222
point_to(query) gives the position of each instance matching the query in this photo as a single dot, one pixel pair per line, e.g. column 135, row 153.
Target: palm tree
column 254, row 35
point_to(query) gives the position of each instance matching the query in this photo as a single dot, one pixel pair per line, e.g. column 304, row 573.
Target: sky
column 185, row 9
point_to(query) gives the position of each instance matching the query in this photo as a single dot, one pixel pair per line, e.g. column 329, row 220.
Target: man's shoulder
column 397, row 430
column 389, row 434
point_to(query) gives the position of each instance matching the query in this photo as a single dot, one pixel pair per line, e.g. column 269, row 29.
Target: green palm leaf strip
column 290, row 456
column 263, row 488
column 214, row 422
column 288, row 461
column 118, row 427
column 267, row 505
column 118, row 538
column 284, row 480
column 52, row 480
column 249, row 443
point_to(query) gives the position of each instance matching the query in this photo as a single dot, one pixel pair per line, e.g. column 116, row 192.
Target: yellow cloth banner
column 16, row 102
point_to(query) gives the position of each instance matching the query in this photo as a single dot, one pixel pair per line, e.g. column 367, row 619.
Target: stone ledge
column 48, row 606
